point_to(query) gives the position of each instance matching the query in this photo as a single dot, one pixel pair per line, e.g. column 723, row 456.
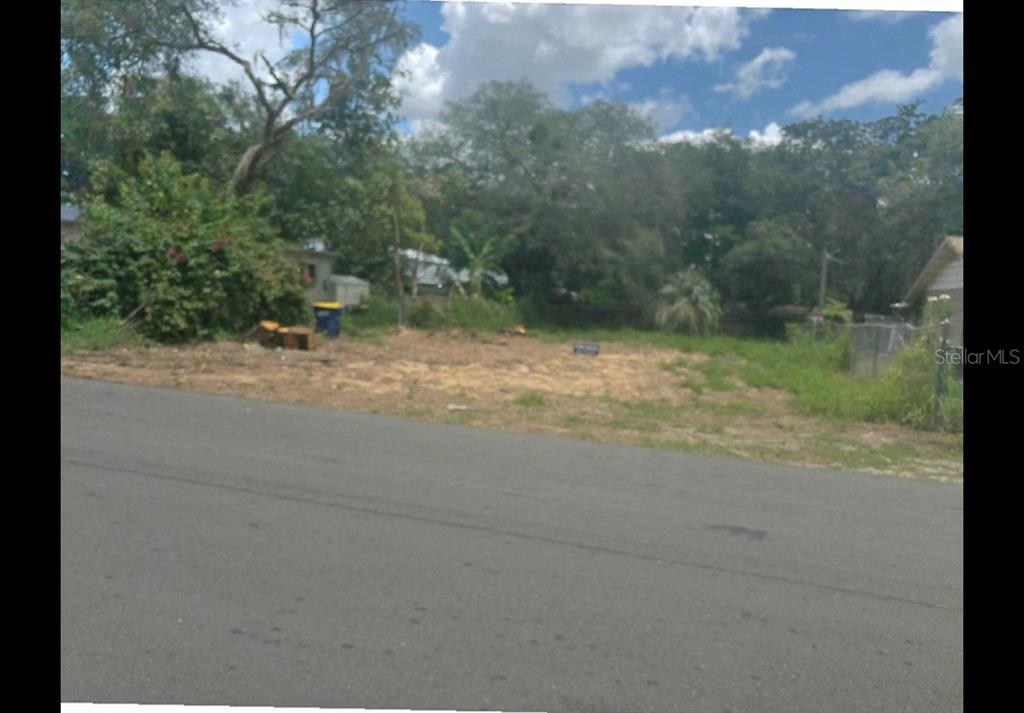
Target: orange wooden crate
column 296, row 338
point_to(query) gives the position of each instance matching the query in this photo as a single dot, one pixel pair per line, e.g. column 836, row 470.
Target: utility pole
column 819, row 319
column 826, row 258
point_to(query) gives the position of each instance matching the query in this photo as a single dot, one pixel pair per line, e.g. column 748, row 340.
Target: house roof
column 347, row 280
column 951, row 248
column 301, row 251
column 437, row 271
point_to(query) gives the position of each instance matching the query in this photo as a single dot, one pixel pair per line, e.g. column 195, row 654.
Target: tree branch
column 278, row 82
column 337, row 92
column 201, row 42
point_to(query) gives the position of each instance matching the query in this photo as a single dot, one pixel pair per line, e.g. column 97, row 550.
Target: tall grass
column 469, row 314
column 97, row 335
column 375, row 311
column 433, row 313
column 815, row 371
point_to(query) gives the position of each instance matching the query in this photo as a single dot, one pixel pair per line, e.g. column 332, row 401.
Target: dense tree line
column 580, row 206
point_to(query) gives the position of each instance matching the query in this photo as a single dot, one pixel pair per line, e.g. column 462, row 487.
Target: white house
column 323, row 285
column 435, row 274
column 70, row 222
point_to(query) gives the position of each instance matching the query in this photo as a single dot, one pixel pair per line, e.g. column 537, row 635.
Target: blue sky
column 689, row 69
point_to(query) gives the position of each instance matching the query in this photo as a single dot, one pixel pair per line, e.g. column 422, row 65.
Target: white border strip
column 168, row 708
column 894, row 5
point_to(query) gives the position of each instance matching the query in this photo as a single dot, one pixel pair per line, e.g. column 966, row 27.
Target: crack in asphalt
column 250, row 490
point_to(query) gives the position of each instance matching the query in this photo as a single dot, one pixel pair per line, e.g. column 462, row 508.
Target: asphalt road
column 222, row 551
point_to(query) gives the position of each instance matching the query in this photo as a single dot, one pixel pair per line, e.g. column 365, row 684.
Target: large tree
column 336, row 77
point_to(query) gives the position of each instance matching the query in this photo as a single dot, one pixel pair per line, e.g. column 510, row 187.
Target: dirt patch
column 357, row 374
column 623, row 395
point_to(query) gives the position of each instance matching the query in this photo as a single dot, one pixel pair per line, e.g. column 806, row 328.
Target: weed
column 530, row 399
column 98, row 335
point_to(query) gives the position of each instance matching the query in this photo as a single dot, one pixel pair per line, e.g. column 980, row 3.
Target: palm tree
column 478, row 259
column 688, row 301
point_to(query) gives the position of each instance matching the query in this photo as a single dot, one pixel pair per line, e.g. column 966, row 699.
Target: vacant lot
column 627, row 394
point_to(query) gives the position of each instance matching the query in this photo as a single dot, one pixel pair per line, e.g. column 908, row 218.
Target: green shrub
column 916, row 388
column 481, row 315
column 377, row 310
column 187, row 260
column 837, row 311
column 469, row 314
column 688, row 302
column 773, row 266
column 427, row 315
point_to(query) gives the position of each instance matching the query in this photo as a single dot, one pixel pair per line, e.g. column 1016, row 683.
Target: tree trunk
column 399, row 289
column 245, row 171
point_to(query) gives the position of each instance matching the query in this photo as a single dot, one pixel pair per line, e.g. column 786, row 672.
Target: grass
column 98, row 335
column 530, row 399
column 694, row 385
column 735, row 407
column 480, row 315
column 813, row 371
column 644, row 415
column 718, row 415
column 431, row 313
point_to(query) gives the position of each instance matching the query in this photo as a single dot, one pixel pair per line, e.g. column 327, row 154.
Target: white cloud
column 421, row 126
column 947, row 55
column 891, row 87
column 690, row 136
column 554, row 46
column 666, row 110
column 241, row 28
column 885, row 87
column 766, row 71
column 771, row 136
column 420, row 69
column 889, row 17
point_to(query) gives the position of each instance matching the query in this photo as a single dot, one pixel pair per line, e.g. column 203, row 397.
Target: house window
column 309, row 274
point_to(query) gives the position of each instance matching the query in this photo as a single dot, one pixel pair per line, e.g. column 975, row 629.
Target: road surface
column 223, row 551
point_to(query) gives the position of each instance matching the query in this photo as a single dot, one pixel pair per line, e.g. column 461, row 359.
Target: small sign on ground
column 588, row 348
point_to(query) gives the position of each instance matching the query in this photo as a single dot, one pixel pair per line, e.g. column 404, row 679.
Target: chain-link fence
column 873, row 345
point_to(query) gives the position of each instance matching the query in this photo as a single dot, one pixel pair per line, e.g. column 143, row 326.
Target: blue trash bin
column 328, row 318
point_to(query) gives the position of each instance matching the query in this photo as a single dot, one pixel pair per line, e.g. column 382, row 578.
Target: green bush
column 377, row 310
column 431, row 312
column 773, row 266
column 481, row 315
column 917, row 389
column 427, row 315
column 688, row 302
column 837, row 311
column 187, row 260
